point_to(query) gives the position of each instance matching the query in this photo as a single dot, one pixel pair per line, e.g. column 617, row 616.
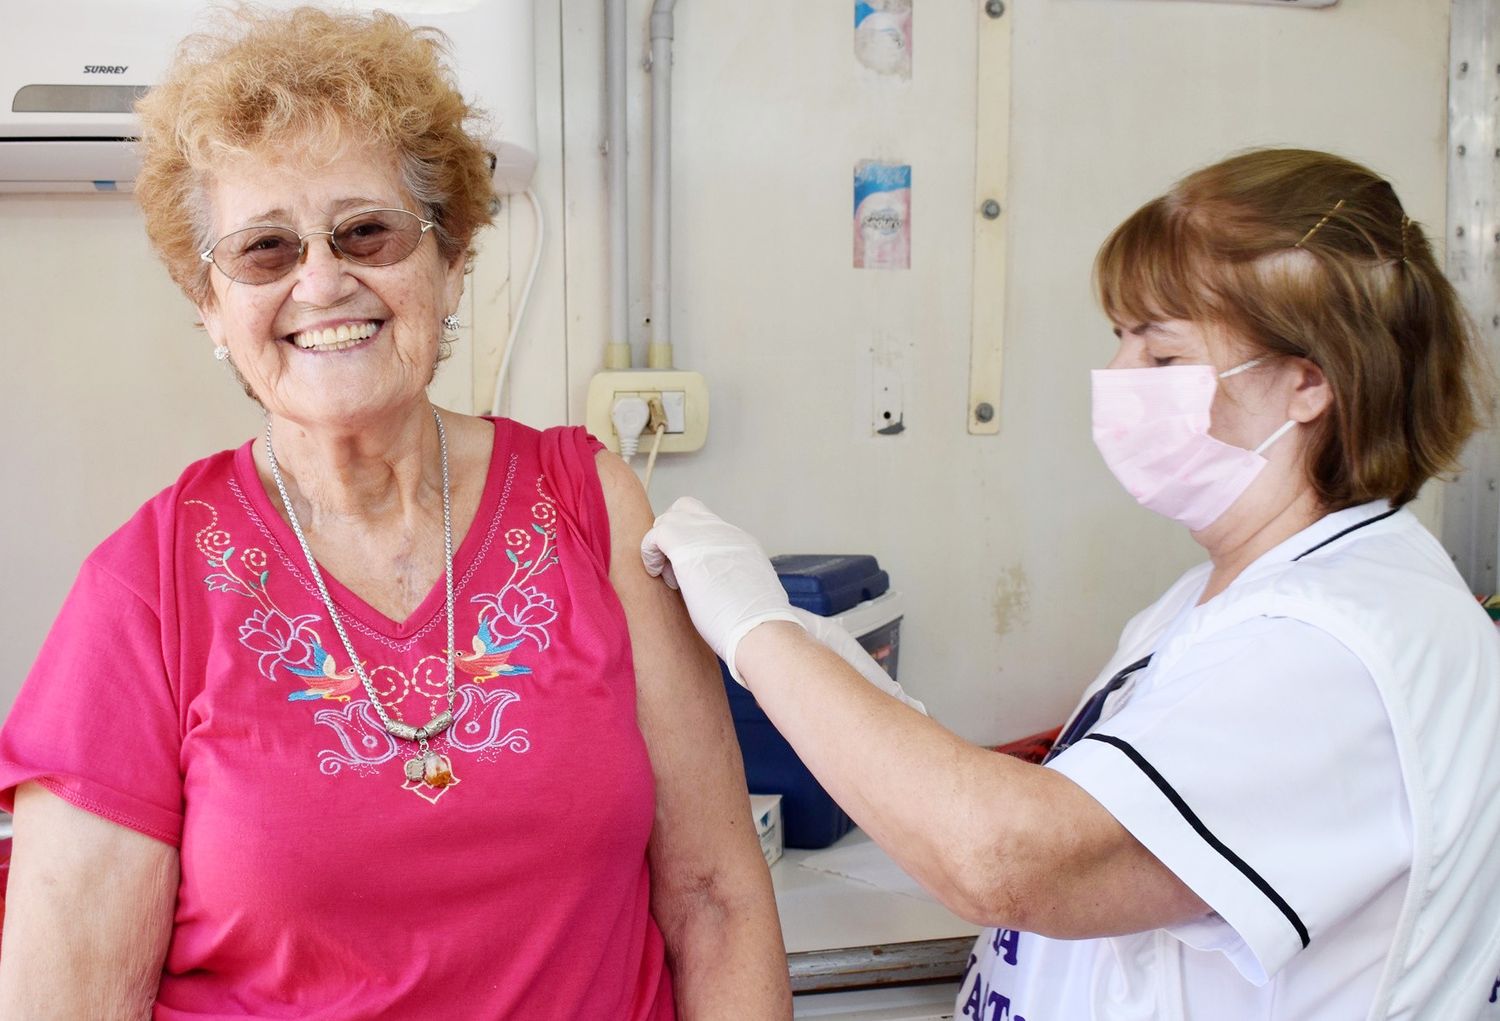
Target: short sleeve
column 96, row 722
column 1261, row 768
column 567, row 457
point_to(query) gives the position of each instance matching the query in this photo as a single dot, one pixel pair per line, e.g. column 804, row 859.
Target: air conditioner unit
column 71, row 69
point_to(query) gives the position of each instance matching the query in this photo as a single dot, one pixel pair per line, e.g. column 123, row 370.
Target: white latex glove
column 730, row 587
column 830, row 634
column 725, row 577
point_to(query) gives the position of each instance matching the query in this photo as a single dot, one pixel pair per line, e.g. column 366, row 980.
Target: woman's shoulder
column 571, row 437
column 1388, row 559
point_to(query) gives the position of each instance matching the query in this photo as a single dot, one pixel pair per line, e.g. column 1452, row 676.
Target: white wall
column 1019, row 556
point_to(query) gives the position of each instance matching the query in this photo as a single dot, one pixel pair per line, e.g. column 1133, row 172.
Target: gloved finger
column 669, row 576
column 652, row 555
column 689, row 506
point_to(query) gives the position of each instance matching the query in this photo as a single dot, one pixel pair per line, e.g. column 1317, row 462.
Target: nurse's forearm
column 963, row 820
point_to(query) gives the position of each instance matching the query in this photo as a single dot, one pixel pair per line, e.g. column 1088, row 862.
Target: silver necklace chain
column 405, row 731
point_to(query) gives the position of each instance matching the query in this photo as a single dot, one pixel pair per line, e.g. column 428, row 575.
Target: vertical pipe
column 659, row 353
column 617, row 351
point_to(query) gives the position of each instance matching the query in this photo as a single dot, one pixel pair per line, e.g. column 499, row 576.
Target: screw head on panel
column 990, row 210
column 994, row 8
column 1463, row 67
column 1463, row 150
column 984, row 412
column 1459, row 232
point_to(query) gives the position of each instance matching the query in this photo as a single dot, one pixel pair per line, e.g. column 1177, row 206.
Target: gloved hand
column 726, row 579
column 832, row 635
column 730, row 587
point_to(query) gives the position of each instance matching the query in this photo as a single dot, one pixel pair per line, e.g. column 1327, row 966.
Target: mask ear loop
column 1243, row 367
column 1285, row 426
column 1278, row 434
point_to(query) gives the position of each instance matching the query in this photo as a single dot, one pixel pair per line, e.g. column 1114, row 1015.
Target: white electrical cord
column 515, row 323
column 651, row 461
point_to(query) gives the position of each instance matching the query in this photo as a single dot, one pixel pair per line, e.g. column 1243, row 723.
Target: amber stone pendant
column 437, row 770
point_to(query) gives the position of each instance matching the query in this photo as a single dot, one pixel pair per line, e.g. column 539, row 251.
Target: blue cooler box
column 856, row 591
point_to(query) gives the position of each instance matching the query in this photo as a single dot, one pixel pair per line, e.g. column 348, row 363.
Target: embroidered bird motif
column 323, row 679
column 490, row 658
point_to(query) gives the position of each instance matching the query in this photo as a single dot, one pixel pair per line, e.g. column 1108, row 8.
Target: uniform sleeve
column 96, row 722
column 567, row 456
column 1260, row 768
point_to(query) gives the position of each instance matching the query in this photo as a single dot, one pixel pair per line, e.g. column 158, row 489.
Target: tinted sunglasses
column 373, row 237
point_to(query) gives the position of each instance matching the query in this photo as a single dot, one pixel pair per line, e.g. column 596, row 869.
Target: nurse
column 1281, row 797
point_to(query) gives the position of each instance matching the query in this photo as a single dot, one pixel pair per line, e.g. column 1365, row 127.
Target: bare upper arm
column 1081, row 874
column 88, row 914
column 701, row 803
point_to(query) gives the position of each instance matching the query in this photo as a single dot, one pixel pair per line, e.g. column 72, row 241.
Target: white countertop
column 822, row 912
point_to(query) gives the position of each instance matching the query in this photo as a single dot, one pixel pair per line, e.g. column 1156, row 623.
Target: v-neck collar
column 349, row 603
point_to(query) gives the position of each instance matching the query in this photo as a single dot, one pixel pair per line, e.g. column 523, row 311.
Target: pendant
column 429, row 775
column 437, row 770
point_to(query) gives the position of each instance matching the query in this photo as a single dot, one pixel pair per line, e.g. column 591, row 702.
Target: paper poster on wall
column 882, row 215
column 882, row 36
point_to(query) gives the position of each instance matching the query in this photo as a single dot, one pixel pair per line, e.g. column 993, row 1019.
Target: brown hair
column 269, row 81
column 1300, row 253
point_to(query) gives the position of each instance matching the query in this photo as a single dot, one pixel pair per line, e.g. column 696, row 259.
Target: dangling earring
column 451, row 323
column 221, row 352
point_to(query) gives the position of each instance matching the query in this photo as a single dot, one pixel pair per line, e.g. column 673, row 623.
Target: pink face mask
column 1151, row 425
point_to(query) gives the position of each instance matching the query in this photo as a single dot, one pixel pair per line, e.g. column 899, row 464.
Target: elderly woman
column 1278, row 800
column 377, row 716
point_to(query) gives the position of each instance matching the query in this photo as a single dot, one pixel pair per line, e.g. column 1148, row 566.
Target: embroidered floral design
column 519, row 612
column 281, row 642
column 291, row 648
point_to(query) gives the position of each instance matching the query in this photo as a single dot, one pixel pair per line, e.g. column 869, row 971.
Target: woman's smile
column 340, row 337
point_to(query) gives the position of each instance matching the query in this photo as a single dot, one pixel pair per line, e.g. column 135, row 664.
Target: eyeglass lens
column 376, row 237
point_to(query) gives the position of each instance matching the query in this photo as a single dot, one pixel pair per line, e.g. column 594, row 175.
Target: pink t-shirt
column 193, row 689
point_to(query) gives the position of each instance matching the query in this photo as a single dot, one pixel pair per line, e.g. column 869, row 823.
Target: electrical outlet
column 684, row 397
column 675, row 403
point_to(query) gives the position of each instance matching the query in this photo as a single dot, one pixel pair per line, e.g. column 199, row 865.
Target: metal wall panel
column 1471, row 510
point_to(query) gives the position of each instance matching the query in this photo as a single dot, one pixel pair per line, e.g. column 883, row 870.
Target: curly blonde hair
column 272, row 81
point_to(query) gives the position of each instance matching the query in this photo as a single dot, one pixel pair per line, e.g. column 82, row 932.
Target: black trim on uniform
column 1089, row 714
column 1351, row 528
column 1203, row 831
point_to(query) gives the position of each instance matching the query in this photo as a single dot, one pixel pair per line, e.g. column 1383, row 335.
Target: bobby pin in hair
column 1319, row 225
column 1405, row 226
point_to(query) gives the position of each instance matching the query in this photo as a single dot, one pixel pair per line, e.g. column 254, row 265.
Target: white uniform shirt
column 1266, row 756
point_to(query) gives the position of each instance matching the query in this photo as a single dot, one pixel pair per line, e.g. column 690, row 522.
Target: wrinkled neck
column 390, row 470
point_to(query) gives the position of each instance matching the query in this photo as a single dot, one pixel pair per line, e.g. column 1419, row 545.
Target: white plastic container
column 766, row 809
column 876, row 624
